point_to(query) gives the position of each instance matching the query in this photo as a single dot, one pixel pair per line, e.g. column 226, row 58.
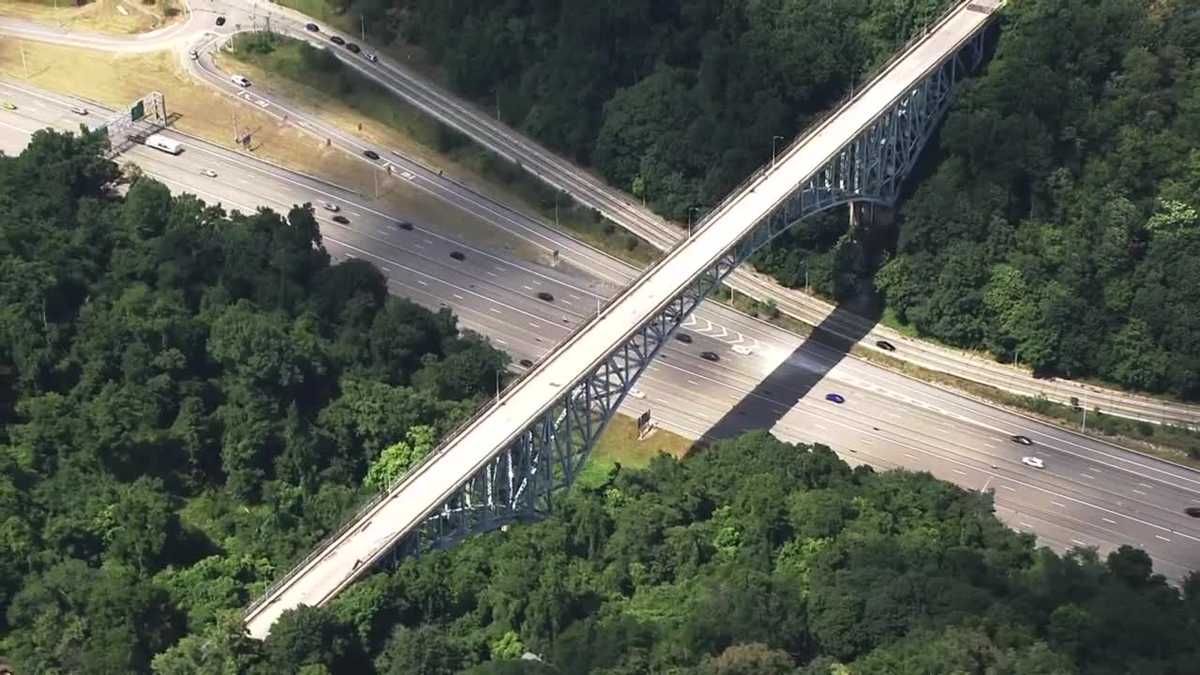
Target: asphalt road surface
column 1089, row 494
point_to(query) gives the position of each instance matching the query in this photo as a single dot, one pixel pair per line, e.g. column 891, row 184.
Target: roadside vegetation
column 318, row 80
column 100, row 16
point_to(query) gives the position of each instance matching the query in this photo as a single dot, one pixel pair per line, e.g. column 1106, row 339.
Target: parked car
column 835, row 398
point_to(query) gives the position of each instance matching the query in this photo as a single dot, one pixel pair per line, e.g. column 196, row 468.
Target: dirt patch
column 116, row 17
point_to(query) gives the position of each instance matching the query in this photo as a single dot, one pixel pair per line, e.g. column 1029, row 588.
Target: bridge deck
column 410, row 502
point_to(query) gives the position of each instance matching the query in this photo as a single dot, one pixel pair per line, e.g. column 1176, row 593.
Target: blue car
column 836, row 398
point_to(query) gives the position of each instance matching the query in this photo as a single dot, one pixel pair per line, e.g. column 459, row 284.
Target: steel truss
column 519, row 483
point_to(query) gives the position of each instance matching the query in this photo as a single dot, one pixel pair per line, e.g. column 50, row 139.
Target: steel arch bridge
column 516, row 479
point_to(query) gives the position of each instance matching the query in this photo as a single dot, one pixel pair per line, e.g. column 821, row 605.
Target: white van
column 239, row 80
column 163, row 143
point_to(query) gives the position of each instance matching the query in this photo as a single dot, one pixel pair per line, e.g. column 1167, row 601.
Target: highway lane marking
column 1139, row 492
column 566, row 302
column 1081, row 543
column 428, row 241
column 422, row 282
column 1146, row 486
column 910, row 456
column 1025, row 524
column 1110, row 521
column 457, row 296
column 492, row 274
column 1159, row 536
column 500, row 342
column 1058, row 504
column 495, row 310
column 959, row 472
column 1009, row 488
column 533, row 325
column 1092, row 468
column 1088, row 476
column 528, row 288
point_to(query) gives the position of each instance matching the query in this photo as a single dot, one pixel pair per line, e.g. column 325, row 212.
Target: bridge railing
column 415, row 470
column 819, row 121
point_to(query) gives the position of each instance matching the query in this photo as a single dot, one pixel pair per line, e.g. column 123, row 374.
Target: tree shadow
column 798, row 375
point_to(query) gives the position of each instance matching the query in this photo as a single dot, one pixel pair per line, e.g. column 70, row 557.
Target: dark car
column 835, row 398
column 543, row 295
column 336, row 40
column 885, row 345
column 710, row 356
column 312, row 27
column 353, row 47
column 684, row 338
column 526, row 362
column 220, row 21
column 1023, row 440
column 405, row 225
column 341, row 219
column 1193, row 511
column 457, row 255
column 370, row 154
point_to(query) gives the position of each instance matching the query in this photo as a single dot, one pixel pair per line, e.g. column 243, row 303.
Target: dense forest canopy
column 1056, row 220
column 190, row 399
column 755, row 557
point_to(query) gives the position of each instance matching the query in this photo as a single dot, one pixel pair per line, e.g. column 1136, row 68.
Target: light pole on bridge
column 692, row 208
column 773, row 139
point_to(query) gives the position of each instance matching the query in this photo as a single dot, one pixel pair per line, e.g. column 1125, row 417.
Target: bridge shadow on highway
column 797, row 376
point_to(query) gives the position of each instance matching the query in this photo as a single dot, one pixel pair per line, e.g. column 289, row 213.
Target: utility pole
column 237, row 134
column 1085, row 411
column 556, row 209
column 773, row 139
column 362, row 22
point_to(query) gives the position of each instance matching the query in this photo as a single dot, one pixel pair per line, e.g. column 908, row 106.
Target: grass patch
column 317, row 81
column 619, row 444
column 101, row 16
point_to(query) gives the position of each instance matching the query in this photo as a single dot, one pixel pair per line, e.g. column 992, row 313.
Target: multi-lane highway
column 200, row 32
column 888, row 420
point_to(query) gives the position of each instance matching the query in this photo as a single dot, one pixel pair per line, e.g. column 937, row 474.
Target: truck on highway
column 163, row 143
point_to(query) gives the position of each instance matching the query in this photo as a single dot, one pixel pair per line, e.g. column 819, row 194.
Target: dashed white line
column 1088, row 476
column 1081, row 543
column 422, row 282
column 1159, row 536
column 1110, row 521
column 1025, row 524
column 528, row 288
column 1009, row 488
column 1139, row 492
column 1145, row 485
column 500, row 342
column 457, row 296
column 960, row 472
column 495, row 310
column 1059, row 504
column 533, row 325
column 491, row 274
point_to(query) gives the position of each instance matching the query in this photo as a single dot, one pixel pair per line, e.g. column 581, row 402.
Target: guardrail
column 448, row 439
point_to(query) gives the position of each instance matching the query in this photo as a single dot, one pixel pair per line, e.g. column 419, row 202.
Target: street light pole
column 362, row 22
column 1085, row 411
column 773, row 139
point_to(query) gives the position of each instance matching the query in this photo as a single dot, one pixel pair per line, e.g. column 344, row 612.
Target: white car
column 79, row 110
column 372, row 58
column 240, row 80
column 209, row 172
column 1035, row 462
column 637, row 393
column 743, row 350
column 330, row 207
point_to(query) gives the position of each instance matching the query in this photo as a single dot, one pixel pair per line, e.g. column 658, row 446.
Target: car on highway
column 312, row 28
column 79, row 110
column 526, row 363
column 330, row 207
column 342, row 220
column 457, row 255
column 684, row 338
column 240, row 80
column 372, row 58
column 885, row 345
column 194, row 54
column 405, row 225
column 544, row 296
column 1023, row 440
column 710, row 356
column 1035, row 462
column 336, row 40
column 742, row 349
column 220, row 21
column 353, row 47
column 209, row 172
column 1193, row 511
column 8, row 105
column 637, row 393
column 370, row 154
column 835, row 398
